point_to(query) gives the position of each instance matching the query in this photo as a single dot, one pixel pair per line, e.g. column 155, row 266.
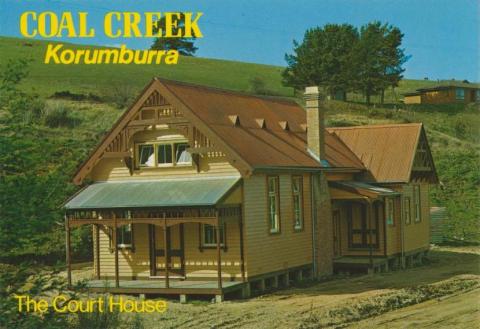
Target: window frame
column 156, row 144
column 417, row 204
column 460, row 94
column 137, row 150
column 407, row 210
column 276, row 194
column 301, row 209
column 166, row 164
column 390, row 210
column 174, row 151
column 125, row 246
column 223, row 236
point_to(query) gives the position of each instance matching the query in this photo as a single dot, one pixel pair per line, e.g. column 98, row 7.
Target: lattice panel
column 155, row 99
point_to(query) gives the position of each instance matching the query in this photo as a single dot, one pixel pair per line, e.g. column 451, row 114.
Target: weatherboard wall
column 199, row 262
column 417, row 234
column 266, row 252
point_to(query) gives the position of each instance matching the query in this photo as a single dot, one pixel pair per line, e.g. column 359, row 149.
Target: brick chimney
column 315, row 122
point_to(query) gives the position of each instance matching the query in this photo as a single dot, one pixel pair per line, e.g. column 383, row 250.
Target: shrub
column 66, row 94
column 59, row 115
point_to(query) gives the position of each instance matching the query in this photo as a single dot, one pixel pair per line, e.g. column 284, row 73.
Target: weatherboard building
column 197, row 190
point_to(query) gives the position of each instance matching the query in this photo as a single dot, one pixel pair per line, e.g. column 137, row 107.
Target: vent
column 284, row 125
column 261, row 123
column 235, row 119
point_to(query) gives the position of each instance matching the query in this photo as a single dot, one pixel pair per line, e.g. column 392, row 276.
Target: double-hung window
column 407, row 209
column 416, row 203
column 209, row 235
column 273, row 204
column 297, row 191
column 390, row 211
column 125, row 236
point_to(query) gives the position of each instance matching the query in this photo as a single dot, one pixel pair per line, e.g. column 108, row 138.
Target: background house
column 445, row 92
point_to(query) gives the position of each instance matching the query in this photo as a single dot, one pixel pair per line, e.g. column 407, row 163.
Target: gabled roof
column 387, row 151
column 261, row 132
column 270, row 146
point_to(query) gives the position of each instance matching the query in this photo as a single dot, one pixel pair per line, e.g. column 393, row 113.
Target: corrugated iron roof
column 161, row 193
column 269, row 146
column 387, row 151
column 358, row 190
column 341, row 194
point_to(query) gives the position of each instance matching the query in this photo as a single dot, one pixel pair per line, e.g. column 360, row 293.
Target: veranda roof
column 159, row 193
column 349, row 190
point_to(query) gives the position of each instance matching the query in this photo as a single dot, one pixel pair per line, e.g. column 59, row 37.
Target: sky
column 441, row 36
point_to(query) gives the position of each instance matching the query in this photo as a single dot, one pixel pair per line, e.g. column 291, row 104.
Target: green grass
column 99, row 79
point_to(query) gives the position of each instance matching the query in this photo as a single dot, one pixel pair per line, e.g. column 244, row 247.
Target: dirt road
column 459, row 311
column 327, row 304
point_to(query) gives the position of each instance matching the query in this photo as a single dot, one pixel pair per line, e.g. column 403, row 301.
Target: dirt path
column 459, row 311
column 289, row 308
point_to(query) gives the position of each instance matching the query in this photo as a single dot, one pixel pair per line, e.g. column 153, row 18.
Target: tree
column 378, row 59
column 323, row 59
column 185, row 46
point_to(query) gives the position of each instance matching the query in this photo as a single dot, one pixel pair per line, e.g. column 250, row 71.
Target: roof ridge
column 278, row 99
column 393, row 125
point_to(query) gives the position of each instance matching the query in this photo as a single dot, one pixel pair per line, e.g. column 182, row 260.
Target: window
column 407, row 206
column 124, row 236
column 460, row 93
column 416, row 203
column 297, row 191
column 181, row 154
column 390, row 211
column 273, row 205
column 209, row 235
column 163, row 154
column 146, row 155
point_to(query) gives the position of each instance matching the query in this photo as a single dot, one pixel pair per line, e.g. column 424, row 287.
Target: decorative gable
column 150, row 112
column 423, row 168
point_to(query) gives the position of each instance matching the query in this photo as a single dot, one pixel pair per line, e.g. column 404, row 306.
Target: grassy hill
column 43, row 139
column 99, row 79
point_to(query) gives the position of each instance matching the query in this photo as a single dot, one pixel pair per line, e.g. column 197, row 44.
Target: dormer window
column 146, row 156
column 163, row 154
column 181, row 154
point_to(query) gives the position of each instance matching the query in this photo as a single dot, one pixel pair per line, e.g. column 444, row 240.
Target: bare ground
column 352, row 302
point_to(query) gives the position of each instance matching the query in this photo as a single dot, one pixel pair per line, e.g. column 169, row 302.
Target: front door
column 336, row 233
column 176, row 252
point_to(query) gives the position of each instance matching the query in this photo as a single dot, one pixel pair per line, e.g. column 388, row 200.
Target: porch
column 181, row 287
column 157, row 259
column 364, row 217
